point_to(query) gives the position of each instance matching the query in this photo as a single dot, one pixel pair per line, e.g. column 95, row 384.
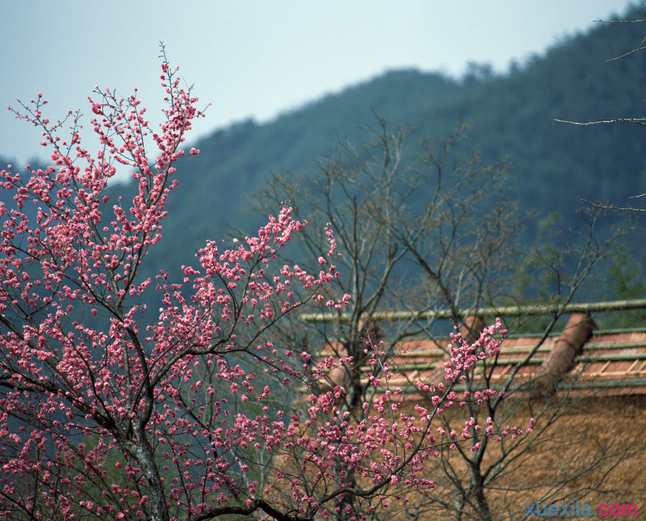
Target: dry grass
column 596, row 453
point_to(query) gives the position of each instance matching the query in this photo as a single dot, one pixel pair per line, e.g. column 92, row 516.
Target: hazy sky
column 256, row 58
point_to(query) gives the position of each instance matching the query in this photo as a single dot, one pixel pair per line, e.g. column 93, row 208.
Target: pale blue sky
column 256, row 58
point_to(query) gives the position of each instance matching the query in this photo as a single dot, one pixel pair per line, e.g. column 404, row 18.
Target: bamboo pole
column 508, row 311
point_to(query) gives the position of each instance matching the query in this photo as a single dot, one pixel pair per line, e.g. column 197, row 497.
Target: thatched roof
column 577, row 360
column 610, row 363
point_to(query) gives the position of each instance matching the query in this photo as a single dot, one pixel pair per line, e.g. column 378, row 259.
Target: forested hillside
column 510, row 116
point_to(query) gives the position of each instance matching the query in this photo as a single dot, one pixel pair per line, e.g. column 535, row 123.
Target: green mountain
column 510, row 116
column 234, row 161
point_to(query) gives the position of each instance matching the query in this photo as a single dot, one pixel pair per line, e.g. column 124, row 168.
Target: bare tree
column 385, row 207
column 426, row 232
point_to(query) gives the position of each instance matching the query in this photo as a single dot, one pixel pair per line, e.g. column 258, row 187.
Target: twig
column 638, row 121
column 613, row 207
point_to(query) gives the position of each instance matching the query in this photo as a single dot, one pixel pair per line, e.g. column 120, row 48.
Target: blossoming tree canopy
column 106, row 414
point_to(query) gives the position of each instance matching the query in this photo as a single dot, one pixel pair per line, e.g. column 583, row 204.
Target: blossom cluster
column 107, row 413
